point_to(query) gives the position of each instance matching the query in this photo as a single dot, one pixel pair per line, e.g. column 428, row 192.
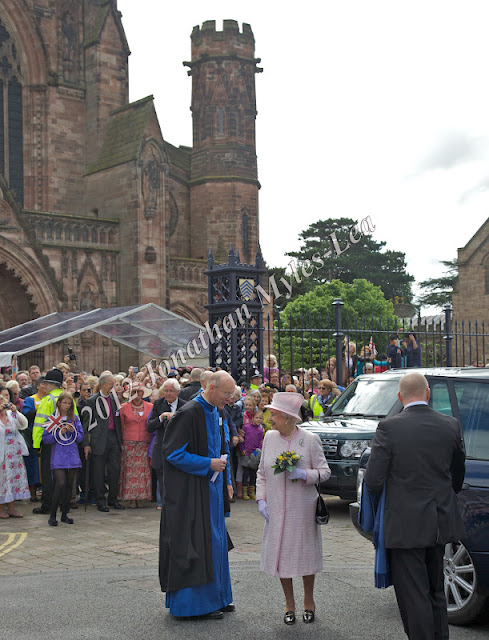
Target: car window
column 440, row 398
column 366, row 396
column 473, row 403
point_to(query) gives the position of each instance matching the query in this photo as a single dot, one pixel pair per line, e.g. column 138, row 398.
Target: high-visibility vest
column 316, row 408
column 45, row 409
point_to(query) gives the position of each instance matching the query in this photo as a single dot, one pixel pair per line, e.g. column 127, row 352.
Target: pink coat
column 291, row 543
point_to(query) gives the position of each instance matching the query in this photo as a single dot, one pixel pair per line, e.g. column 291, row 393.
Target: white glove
column 263, row 509
column 297, row 474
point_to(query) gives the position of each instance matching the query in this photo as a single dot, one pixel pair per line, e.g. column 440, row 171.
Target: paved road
column 97, row 579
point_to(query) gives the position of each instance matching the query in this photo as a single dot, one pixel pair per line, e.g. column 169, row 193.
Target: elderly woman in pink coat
column 291, row 544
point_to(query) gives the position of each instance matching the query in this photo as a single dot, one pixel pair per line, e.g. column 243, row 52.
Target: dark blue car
column 465, row 395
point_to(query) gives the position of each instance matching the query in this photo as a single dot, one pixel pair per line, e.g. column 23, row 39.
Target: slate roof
column 179, row 156
column 95, row 34
column 124, row 134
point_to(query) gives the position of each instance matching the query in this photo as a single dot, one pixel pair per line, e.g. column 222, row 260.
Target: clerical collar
column 212, row 406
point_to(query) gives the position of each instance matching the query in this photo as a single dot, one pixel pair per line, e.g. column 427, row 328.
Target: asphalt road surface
column 97, row 579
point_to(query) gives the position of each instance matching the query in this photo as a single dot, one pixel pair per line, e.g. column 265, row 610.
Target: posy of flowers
column 286, row 461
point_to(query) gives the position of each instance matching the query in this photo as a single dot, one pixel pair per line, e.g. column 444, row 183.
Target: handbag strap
column 318, row 483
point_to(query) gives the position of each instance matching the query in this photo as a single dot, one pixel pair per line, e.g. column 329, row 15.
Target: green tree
column 438, row 291
column 347, row 255
column 308, row 322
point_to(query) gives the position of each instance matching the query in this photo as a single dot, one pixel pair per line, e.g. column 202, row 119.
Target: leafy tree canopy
column 348, row 254
column 365, row 313
column 438, row 291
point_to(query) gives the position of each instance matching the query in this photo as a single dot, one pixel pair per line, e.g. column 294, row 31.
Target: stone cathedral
column 96, row 208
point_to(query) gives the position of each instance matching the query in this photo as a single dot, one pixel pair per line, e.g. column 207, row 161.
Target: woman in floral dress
column 13, row 476
column 135, row 478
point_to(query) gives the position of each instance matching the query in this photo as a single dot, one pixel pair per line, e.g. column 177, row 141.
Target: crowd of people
column 112, row 436
column 114, row 424
column 194, row 441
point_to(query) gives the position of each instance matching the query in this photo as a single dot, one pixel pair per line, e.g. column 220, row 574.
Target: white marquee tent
column 147, row 328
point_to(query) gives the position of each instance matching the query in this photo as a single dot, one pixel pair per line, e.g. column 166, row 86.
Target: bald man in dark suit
column 419, row 454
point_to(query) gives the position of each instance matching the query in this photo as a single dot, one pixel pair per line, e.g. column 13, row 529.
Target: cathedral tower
column 223, row 178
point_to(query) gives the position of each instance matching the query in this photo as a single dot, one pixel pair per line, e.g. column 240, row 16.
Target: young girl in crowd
column 265, row 399
column 65, row 459
column 249, row 410
column 253, row 439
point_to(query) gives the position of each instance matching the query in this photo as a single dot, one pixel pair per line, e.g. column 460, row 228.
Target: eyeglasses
column 228, row 396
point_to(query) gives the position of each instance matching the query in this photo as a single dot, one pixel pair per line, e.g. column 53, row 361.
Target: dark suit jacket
column 420, row 455
column 154, row 424
column 191, row 390
column 96, row 437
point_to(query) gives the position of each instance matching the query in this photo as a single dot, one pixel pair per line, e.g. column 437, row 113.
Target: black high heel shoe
column 308, row 616
column 289, row 617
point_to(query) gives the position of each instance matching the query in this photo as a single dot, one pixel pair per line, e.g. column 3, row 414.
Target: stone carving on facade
column 69, row 44
column 88, row 298
column 151, row 180
column 187, row 272
column 173, row 217
column 200, row 303
column 150, row 255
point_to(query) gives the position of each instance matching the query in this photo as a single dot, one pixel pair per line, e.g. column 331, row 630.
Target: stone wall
column 111, row 214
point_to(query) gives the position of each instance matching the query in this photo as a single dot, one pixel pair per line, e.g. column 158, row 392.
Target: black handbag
column 322, row 513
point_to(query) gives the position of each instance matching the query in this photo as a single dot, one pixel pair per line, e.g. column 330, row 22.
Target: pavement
column 97, row 579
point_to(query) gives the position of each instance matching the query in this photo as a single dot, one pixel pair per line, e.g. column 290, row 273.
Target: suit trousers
column 111, row 458
column 46, row 476
column 417, row 575
column 159, row 479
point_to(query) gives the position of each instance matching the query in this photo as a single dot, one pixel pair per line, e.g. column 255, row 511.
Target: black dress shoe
column 64, row 518
column 52, row 522
column 289, row 617
column 229, row 608
column 43, row 510
column 214, row 615
column 308, row 615
column 103, row 508
column 116, row 505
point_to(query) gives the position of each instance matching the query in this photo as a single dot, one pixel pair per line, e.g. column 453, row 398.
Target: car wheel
column 464, row 604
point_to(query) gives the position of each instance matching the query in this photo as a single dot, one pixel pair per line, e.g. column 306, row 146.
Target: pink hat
column 137, row 386
column 289, row 403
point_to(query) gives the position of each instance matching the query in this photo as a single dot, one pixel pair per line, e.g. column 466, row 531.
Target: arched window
column 11, row 125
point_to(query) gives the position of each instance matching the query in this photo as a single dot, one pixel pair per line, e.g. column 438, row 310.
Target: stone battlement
column 229, row 26
column 207, row 39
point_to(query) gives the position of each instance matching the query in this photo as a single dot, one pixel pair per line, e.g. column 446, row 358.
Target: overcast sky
column 364, row 108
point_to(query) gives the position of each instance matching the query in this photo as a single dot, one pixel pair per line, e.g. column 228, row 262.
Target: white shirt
column 411, row 404
column 173, row 408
